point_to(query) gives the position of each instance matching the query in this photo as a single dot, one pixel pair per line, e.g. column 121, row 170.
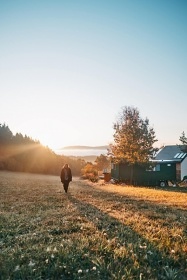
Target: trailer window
column 153, row 168
column 157, row 167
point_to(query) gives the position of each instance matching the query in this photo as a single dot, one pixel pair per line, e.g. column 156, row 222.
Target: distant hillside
column 82, row 151
column 84, row 148
column 91, row 158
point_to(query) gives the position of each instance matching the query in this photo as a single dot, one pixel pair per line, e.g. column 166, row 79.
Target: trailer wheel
column 163, row 184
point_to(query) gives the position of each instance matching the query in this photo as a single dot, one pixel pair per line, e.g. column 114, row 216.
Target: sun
column 54, row 142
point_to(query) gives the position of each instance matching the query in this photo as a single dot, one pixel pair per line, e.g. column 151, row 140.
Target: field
column 96, row 231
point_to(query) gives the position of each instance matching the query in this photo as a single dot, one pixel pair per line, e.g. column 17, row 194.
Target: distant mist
column 80, row 151
column 85, row 148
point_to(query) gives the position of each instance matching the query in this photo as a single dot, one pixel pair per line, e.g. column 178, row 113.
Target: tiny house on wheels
column 169, row 165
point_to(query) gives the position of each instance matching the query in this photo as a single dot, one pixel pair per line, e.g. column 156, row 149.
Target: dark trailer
column 169, row 165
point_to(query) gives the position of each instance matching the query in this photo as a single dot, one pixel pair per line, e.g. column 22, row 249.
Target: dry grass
column 96, row 231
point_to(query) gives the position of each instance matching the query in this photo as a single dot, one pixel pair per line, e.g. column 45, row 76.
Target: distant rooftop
column 171, row 153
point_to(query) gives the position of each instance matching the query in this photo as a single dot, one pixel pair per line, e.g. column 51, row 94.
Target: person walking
column 66, row 176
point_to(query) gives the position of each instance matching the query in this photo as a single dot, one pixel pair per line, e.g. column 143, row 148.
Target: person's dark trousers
column 66, row 184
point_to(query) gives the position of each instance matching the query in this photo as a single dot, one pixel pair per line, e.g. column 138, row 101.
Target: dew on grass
column 48, row 249
column 142, row 246
column 31, row 263
column 17, row 268
column 55, row 250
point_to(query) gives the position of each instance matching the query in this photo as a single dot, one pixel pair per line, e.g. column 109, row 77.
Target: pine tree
column 183, row 140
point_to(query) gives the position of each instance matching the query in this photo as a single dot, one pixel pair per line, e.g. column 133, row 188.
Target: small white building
column 174, row 154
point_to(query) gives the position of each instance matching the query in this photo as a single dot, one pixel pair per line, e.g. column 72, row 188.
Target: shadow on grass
column 137, row 204
column 150, row 261
column 167, row 188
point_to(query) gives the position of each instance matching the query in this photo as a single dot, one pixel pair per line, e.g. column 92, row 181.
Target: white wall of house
column 183, row 168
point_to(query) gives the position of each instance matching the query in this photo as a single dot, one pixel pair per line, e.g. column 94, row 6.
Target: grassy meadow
column 96, row 231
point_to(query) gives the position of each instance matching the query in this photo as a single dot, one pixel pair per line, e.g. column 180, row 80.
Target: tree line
column 23, row 154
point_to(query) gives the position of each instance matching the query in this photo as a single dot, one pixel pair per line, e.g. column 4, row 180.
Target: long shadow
column 132, row 203
column 167, row 188
column 155, row 261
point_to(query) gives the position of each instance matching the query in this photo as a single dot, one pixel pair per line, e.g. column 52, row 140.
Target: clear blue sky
column 68, row 67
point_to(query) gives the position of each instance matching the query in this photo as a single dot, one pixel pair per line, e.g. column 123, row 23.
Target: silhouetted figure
column 66, row 176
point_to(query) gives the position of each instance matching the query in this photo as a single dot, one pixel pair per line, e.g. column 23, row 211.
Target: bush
column 90, row 172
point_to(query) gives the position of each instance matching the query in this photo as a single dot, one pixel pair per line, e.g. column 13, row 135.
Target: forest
column 21, row 153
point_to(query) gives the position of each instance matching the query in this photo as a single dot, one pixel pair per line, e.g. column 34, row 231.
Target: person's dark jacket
column 68, row 173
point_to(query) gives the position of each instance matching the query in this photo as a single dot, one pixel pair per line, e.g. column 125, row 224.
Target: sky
column 67, row 67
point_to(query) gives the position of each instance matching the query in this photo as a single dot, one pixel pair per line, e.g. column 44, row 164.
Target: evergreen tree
column 183, row 140
column 5, row 135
